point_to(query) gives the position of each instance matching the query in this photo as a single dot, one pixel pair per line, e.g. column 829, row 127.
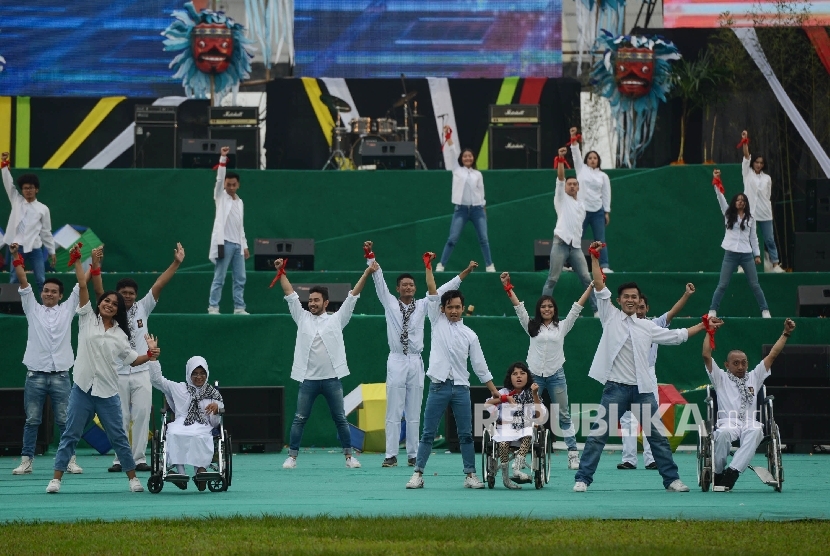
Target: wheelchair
column 217, row 476
column 540, row 454
column 771, row 443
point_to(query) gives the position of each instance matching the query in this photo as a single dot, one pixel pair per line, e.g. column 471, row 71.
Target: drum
column 356, row 154
column 361, row 126
column 387, row 126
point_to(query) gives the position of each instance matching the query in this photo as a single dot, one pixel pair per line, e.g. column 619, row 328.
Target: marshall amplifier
column 515, row 147
column 148, row 114
column 514, row 113
column 299, row 251
column 234, row 116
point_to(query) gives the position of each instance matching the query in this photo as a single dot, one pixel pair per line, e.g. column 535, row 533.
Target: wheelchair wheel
column 774, row 465
column 216, row 485
column 155, row 484
column 704, row 459
column 229, row 458
column 155, row 455
column 548, row 454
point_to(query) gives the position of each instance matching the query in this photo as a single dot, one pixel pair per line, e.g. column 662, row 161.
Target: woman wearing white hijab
column 195, row 404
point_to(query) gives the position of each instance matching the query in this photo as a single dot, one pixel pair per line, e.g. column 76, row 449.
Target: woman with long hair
column 740, row 245
column 594, row 192
column 546, row 355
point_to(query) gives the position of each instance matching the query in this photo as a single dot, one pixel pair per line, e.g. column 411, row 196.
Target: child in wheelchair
column 516, row 406
column 196, row 404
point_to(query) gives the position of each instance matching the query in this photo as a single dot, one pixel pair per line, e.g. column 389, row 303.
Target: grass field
column 415, row 535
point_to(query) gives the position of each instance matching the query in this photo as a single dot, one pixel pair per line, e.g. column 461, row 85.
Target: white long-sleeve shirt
column 758, row 189
column 546, row 354
column 100, row 352
column 452, row 343
column 224, row 202
column 394, row 317
column 470, row 180
column 618, row 329
column 328, row 327
column 30, row 224
column 594, row 185
column 48, row 347
column 570, row 214
column 736, row 239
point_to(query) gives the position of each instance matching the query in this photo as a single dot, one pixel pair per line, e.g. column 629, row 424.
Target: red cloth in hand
column 18, row 261
column 280, row 273
column 368, row 253
column 427, row 261
column 508, row 287
column 595, row 253
column 719, row 184
column 709, row 330
column 744, row 141
column 559, row 159
column 75, row 254
column 576, row 139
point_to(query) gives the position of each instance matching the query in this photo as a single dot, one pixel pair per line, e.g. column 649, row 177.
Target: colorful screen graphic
column 744, row 13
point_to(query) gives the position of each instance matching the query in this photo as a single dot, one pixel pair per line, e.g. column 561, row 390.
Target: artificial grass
column 414, row 535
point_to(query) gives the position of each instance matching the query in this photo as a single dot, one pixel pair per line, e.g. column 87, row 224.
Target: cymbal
column 404, row 99
column 335, row 104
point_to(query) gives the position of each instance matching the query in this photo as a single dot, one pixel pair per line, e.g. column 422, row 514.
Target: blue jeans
column 34, row 261
column 82, row 408
column 596, row 220
column 559, row 253
column 234, row 257
column 557, row 389
column 57, row 385
column 441, row 395
column 768, row 234
column 731, row 262
column 623, row 395
column 332, row 390
column 460, row 217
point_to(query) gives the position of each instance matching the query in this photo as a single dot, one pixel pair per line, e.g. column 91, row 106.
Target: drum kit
column 347, row 141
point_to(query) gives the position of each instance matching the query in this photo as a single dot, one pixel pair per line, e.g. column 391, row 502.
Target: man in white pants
column 737, row 392
column 134, row 386
column 628, row 423
column 404, row 368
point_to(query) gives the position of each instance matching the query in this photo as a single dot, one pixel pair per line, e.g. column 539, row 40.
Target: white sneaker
column 573, row 460
column 415, row 481
column 740, row 270
column 776, row 269
column 352, row 463
column 490, row 268
column 135, row 485
column 579, row 486
column 240, row 311
column 25, row 466
column 596, row 314
column 439, row 268
column 767, row 263
column 607, row 271
column 677, row 486
column 713, row 313
column 73, row 467
column 289, row 463
column 472, row 482
column 213, row 310
column 765, row 315
column 54, row 486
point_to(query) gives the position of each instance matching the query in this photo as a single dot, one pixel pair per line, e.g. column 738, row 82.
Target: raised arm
column 596, row 271
column 508, row 287
column 432, row 289
column 384, row 295
column 219, row 187
column 575, row 151
column 97, row 283
column 560, row 166
column 19, row 269
column 585, row 295
column 152, row 354
column 745, row 142
column 83, row 291
column 721, row 199
column 164, row 279
column 8, row 180
column 466, row 272
column 287, row 289
column 690, row 289
column 362, row 282
column 789, row 326
column 715, row 323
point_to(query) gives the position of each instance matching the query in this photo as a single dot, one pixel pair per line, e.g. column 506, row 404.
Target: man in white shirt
column 228, row 244
column 449, row 381
column 48, row 358
column 134, row 387
column 320, row 359
column 737, row 392
column 621, row 364
column 30, row 223
column 405, row 317
column 567, row 235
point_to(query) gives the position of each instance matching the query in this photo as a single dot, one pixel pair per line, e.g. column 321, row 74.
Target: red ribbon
column 595, row 253
column 75, row 254
column 744, row 141
column 719, row 184
column 709, row 330
column 561, row 159
column 222, row 164
column 368, row 253
column 18, row 261
column 280, row 273
column 508, row 287
column 95, row 271
column 576, row 139
column 427, row 261
column 4, row 164
column 149, row 354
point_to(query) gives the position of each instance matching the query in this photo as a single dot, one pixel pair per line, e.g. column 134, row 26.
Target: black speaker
column 205, row 153
column 478, row 395
column 818, row 205
column 247, row 144
column 155, row 145
column 800, row 365
column 255, row 417
column 803, row 416
column 813, row 301
column 299, row 251
column 338, row 292
column 10, row 303
column 541, row 254
column 386, row 155
column 812, row 252
column 13, row 418
column 515, row 147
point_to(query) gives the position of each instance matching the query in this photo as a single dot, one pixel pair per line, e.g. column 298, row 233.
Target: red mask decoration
column 634, row 70
column 212, row 46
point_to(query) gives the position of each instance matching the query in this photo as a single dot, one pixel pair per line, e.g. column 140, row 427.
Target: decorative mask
column 212, row 46
column 634, row 71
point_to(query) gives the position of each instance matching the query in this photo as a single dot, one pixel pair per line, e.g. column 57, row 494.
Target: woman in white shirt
column 595, row 194
column 740, row 245
column 546, row 355
column 468, row 198
column 758, row 188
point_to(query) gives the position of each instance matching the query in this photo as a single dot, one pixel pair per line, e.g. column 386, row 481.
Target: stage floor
column 321, row 485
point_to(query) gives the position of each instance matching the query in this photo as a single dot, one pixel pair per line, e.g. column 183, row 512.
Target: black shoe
column 626, row 465
column 729, row 477
column 181, row 484
column 411, row 462
column 652, row 465
column 142, row 467
column 390, row 462
column 116, row 468
column 718, row 480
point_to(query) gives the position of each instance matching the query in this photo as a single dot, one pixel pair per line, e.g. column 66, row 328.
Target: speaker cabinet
column 247, row 144
column 13, row 418
column 541, row 254
column 205, row 153
column 299, row 251
column 255, row 417
column 818, row 205
column 515, row 147
column 155, row 145
column 812, row 252
column 814, row 301
column 338, row 292
column 800, row 365
column 10, row 303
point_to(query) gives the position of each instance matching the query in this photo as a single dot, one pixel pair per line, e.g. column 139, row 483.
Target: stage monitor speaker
column 812, row 252
column 478, row 395
column 247, row 144
column 386, row 155
column 814, row 301
column 338, row 292
column 802, row 416
column 516, row 147
column 255, row 417
column 155, row 145
column 205, row 153
column 541, row 254
column 800, row 365
column 10, row 303
column 299, row 251
column 13, row 418
column 818, row 205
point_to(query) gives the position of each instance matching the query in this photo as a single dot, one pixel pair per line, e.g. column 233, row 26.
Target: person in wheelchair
column 516, row 405
column 196, row 405
column 737, row 392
